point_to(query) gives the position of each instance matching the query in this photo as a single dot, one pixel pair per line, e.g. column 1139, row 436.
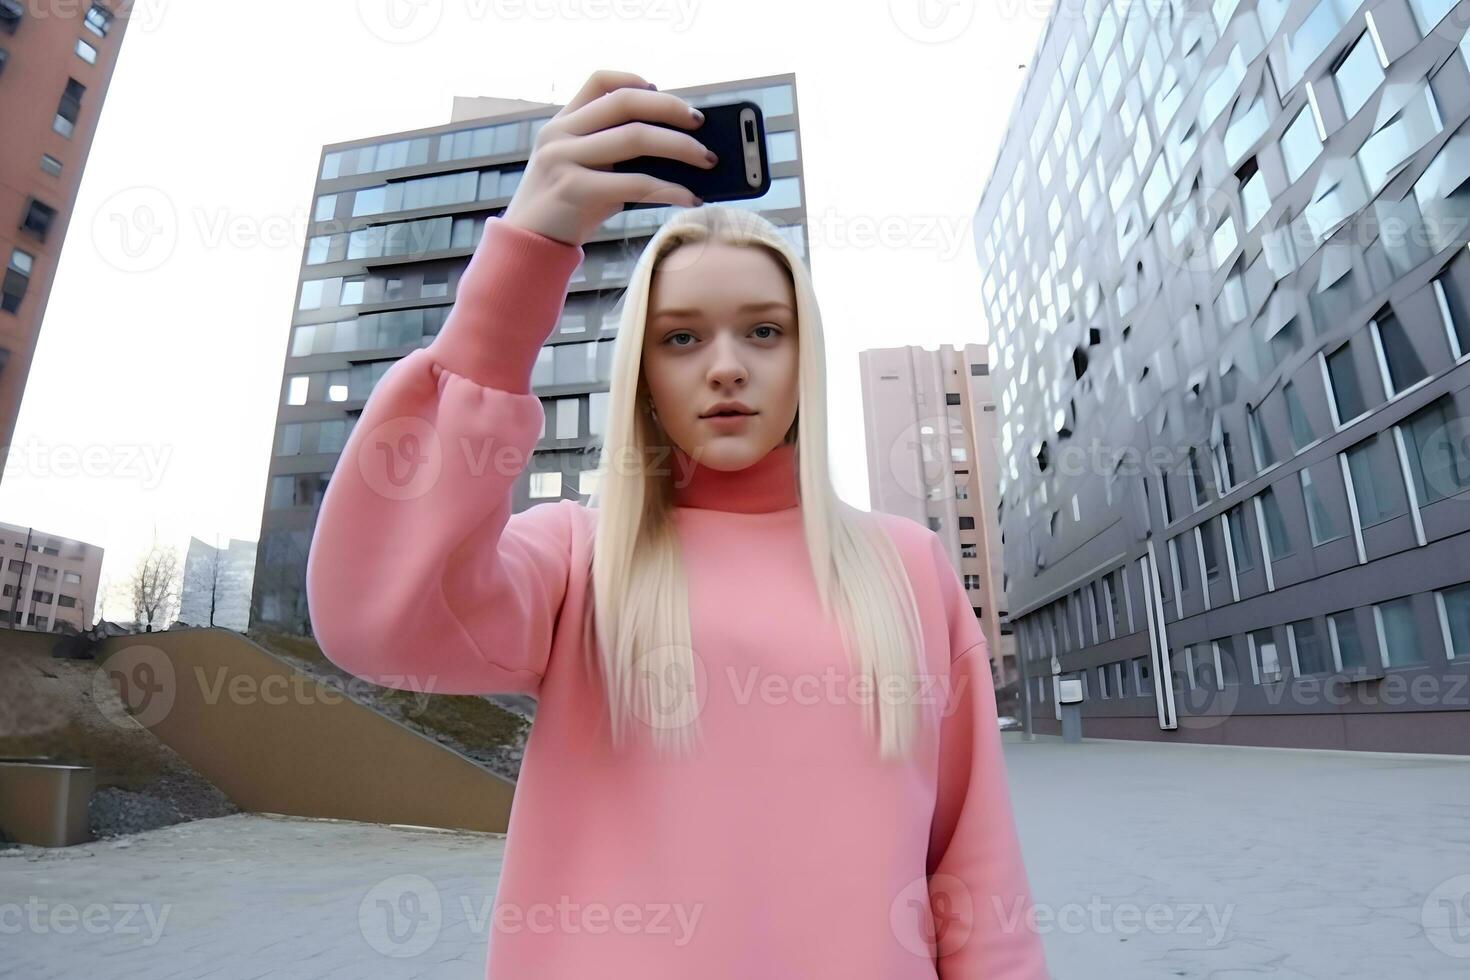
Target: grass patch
column 464, row 721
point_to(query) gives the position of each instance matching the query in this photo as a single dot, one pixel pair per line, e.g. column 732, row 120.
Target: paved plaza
column 1147, row 860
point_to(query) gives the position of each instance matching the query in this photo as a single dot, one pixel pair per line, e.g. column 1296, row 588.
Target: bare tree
column 155, row 585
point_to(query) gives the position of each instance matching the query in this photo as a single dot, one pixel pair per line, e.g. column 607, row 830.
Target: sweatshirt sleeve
column 980, row 900
column 419, row 576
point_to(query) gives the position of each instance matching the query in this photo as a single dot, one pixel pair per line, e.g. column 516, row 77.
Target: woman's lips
column 728, row 421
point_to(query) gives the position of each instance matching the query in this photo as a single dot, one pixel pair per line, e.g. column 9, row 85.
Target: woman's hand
column 567, row 190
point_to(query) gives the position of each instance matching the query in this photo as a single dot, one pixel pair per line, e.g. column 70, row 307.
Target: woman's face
column 722, row 327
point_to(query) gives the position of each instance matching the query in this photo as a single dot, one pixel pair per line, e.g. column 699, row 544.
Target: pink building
column 931, row 437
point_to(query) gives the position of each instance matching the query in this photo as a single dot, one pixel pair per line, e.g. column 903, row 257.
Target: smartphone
column 736, row 132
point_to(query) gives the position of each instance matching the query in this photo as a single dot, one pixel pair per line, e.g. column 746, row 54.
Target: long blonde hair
column 640, row 599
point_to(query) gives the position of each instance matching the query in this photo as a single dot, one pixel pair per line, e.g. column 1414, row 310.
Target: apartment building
column 49, row 582
column 394, row 221
column 1225, row 271
column 929, row 419
column 56, row 61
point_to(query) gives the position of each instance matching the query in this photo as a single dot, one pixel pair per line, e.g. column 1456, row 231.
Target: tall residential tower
column 395, row 220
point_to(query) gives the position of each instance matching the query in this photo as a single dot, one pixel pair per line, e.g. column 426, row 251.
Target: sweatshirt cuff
column 507, row 304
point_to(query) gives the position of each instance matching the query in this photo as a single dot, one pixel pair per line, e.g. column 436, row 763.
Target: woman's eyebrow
column 774, row 304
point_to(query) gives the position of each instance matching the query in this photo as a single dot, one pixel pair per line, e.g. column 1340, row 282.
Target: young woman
column 766, row 741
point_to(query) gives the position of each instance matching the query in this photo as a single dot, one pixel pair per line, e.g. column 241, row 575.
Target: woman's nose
column 726, row 365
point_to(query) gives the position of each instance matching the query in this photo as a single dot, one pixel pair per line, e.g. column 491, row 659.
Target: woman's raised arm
column 420, row 577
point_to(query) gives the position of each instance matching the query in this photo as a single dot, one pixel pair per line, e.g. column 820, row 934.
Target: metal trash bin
column 46, row 803
column 1069, row 696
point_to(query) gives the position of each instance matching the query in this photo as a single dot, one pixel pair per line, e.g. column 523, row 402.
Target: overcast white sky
column 153, row 396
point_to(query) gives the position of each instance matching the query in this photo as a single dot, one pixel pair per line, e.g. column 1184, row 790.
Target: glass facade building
column 1225, row 273
column 393, row 223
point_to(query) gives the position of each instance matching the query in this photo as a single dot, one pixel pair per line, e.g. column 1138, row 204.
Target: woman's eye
column 671, row 338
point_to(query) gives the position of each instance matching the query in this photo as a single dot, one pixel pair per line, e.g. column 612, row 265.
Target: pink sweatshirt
column 784, row 848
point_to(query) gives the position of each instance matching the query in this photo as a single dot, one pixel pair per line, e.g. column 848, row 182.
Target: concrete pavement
column 1146, row 860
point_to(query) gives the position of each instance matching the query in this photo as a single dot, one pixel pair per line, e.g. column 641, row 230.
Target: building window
column 1181, row 568
column 1197, row 487
column 38, row 218
column 297, row 388
column 1300, row 144
column 1347, row 394
column 1378, row 486
column 567, row 412
column 1262, row 451
column 1347, row 647
column 86, row 52
column 1267, row 662
column 1225, row 660
column 1307, row 648
column 1319, row 518
column 1358, row 76
column 1255, row 199
column 1240, row 541
column 1225, row 463
column 312, row 292
column 546, row 485
column 1428, row 13
column 17, row 277
column 1402, row 362
column 1209, row 549
column 69, row 108
column 99, row 18
column 1276, row 535
column 1439, row 456
column 1454, row 620
column 1302, row 434
column 50, row 164
column 1398, row 634
column 11, row 11
column 352, row 291
column 1165, row 501
column 1454, row 307
column 317, row 248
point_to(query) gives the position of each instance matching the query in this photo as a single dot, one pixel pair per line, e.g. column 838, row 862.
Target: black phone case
column 725, row 181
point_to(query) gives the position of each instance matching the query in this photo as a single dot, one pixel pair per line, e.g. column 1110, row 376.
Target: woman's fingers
column 634, row 139
column 598, row 84
column 624, row 105
column 638, row 189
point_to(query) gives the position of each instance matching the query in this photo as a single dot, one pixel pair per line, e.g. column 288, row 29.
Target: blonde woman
column 765, row 743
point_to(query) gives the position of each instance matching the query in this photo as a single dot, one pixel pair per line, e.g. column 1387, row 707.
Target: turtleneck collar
column 769, row 484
